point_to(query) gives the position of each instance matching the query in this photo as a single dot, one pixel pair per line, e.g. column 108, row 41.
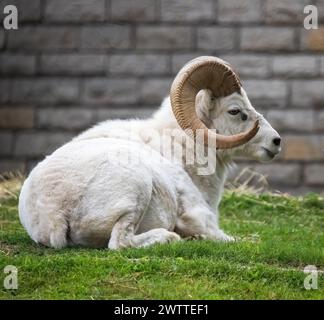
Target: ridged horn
column 211, row 73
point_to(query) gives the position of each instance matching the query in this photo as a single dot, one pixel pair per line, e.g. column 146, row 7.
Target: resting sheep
column 92, row 192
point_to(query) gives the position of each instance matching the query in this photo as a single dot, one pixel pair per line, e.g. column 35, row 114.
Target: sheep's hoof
column 196, row 237
column 222, row 236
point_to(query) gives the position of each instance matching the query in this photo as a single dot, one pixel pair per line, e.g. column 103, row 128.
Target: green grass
column 279, row 237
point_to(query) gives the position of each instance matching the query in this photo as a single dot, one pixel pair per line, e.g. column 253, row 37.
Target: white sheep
column 85, row 193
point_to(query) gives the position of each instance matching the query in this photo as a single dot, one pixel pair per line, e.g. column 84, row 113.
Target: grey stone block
column 65, row 118
column 314, row 174
column 2, row 39
column 280, row 173
column 16, row 118
column 6, row 141
column 239, row 11
column 188, row 10
column 73, row 64
column 267, row 39
column 32, row 144
column 17, row 64
column 216, row 38
column 266, row 93
column 271, row 175
column 249, row 65
column 295, row 120
column 44, row 38
column 75, row 10
column 322, row 65
column 154, row 90
column 303, row 148
column 320, row 9
column 287, row 11
column 319, row 121
column 131, row 10
column 308, row 94
column 139, row 64
column 4, row 90
column 103, row 91
column 312, row 40
column 44, row 90
column 164, row 37
column 295, row 66
column 105, row 37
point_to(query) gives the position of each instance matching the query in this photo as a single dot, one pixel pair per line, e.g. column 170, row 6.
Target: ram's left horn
column 206, row 73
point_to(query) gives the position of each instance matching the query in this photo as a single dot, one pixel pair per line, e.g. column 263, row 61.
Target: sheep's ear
column 204, row 103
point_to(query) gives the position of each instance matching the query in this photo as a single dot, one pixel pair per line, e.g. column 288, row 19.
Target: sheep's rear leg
column 123, row 235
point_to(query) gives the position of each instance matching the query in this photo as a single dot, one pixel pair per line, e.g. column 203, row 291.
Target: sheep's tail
column 58, row 233
column 48, row 229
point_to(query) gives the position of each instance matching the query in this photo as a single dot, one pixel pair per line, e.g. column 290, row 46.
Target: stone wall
column 73, row 63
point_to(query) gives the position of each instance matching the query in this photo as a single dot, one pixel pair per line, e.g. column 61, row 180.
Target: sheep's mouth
column 269, row 153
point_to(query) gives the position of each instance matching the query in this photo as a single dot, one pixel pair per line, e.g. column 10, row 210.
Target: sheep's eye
column 234, row 112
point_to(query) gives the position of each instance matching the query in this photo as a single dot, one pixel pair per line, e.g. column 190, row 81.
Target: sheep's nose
column 276, row 141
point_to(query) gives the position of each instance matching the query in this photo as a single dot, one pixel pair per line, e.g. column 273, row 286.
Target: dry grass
column 10, row 185
column 249, row 181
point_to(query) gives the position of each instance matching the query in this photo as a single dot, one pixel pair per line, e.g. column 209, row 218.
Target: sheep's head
column 234, row 114
column 207, row 94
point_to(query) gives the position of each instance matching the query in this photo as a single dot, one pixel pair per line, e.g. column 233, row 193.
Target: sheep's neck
column 210, row 185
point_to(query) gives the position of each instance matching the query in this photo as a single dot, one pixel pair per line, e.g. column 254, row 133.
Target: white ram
column 86, row 194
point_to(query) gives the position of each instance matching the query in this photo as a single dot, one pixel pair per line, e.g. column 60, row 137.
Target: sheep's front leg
column 200, row 223
column 123, row 235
